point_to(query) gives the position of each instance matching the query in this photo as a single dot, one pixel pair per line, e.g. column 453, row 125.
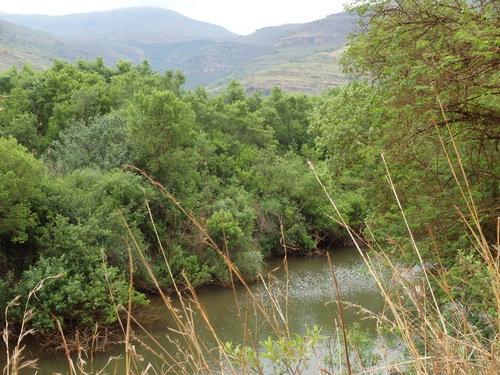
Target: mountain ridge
column 209, row 55
column 85, row 26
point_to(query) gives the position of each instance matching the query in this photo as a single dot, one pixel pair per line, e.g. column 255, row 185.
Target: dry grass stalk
column 196, row 355
column 341, row 315
column 15, row 360
column 195, row 351
column 210, row 242
column 434, row 343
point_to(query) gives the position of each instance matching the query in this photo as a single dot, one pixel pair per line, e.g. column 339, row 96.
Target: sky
column 239, row 16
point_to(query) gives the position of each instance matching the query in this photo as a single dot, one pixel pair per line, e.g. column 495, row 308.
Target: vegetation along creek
column 126, row 194
column 311, row 296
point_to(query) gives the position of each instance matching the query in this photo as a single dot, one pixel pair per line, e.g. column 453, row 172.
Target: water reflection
column 311, row 301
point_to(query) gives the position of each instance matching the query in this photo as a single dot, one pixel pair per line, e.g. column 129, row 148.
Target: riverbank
column 305, row 295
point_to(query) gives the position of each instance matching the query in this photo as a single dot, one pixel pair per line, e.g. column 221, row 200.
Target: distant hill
column 39, row 48
column 301, row 57
column 140, row 24
column 126, row 34
column 297, row 57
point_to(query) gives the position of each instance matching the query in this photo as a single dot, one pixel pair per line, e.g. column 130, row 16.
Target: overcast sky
column 239, row 16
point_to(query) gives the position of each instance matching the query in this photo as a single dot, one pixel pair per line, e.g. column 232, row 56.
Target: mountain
column 126, row 34
column 142, row 24
column 23, row 44
column 297, row 57
column 302, row 57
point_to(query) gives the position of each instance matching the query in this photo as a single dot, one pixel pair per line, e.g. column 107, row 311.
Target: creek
column 311, row 296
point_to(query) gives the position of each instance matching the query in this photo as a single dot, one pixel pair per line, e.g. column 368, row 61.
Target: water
column 311, row 301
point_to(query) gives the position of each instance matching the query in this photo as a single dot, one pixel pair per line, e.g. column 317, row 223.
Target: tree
column 48, row 100
column 21, row 114
column 349, row 129
column 76, row 288
column 288, row 115
column 130, row 80
column 81, row 215
column 162, row 131
column 437, row 64
column 101, row 144
column 417, row 48
column 20, row 182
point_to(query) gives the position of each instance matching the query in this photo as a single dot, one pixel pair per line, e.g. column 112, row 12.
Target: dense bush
column 237, row 164
column 234, row 162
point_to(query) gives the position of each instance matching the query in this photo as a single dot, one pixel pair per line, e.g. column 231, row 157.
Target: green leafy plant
column 280, row 356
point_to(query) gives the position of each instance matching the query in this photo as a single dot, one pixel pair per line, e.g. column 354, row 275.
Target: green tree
column 437, row 64
column 80, row 295
column 288, row 115
column 349, row 129
column 100, row 144
column 87, row 202
column 97, row 66
column 21, row 114
column 49, row 100
column 162, row 131
column 20, row 185
column 235, row 92
column 130, row 80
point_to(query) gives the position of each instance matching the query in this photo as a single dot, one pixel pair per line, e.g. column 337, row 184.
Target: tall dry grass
column 439, row 338
column 433, row 337
column 436, row 337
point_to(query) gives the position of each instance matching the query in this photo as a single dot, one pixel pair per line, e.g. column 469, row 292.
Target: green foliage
column 100, row 144
column 429, row 102
column 296, row 355
column 348, row 125
column 434, row 72
column 249, row 263
column 162, row 132
column 234, row 93
column 423, row 56
column 183, row 266
column 52, row 97
column 475, row 295
column 20, row 176
column 288, row 115
column 228, row 236
column 82, row 223
column 24, row 129
column 235, row 160
column 80, row 295
column 69, row 94
column 88, row 201
column 279, row 356
column 362, row 347
column 224, row 230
